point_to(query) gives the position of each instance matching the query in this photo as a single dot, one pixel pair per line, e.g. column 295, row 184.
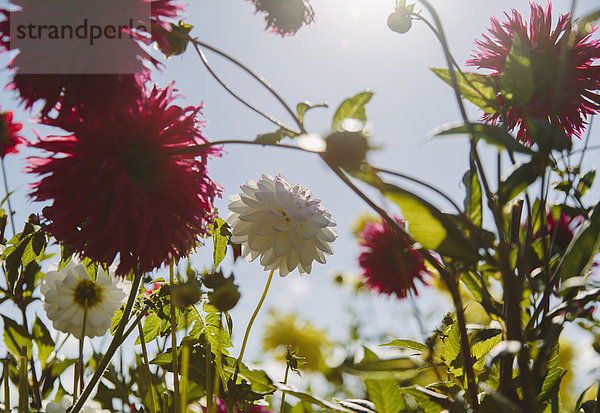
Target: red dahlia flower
column 117, row 188
column 285, row 17
column 9, row 140
column 390, row 264
column 565, row 101
column 70, row 73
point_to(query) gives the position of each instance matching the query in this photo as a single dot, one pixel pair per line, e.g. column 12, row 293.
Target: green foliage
column 43, row 341
column 353, row 107
column 481, row 90
column 220, row 233
column 409, row 344
column 303, row 107
column 519, row 178
column 385, row 394
column 516, row 80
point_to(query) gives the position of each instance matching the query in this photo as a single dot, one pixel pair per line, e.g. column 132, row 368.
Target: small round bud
column 399, row 21
column 188, row 293
column 346, row 149
column 225, row 297
column 174, row 43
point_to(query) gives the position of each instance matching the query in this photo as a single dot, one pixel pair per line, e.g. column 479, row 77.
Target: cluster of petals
column 72, row 85
column 282, row 224
column 9, row 134
column 66, row 293
column 128, row 186
column 390, row 264
column 565, row 91
column 285, row 17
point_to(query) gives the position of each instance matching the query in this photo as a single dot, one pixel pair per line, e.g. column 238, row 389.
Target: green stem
column 256, row 310
column 218, row 367
column 81, row 340
column 6, row 385
column 10, row 210
column 174, row 337
column 112, row 348
column 147, row 368
column 185, row 367
column 23, row 382
column 285, row 378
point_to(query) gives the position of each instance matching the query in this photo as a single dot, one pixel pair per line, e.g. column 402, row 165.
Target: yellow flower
column 285, row 329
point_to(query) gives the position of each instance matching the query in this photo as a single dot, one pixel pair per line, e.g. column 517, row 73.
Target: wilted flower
column 565, row 91
column 285, row 17
column 69, row 291
column 286, row 329
column 118, row 188
column 390, row 263
column 9, row 139
column 281, row 223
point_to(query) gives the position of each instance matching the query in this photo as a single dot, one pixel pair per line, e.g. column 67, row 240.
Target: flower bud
column 347, row 149
column 225, row 297
column 174, row 43
column 188, row 293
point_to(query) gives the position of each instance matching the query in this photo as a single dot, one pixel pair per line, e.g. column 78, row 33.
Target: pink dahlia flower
column 67, row 77
column 9, row 138
column 285, row 17
column 389, row 262
column 117, row 189
column 563, row 102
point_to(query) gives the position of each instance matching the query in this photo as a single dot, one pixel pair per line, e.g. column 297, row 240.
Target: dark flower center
column 544, row 69
column 87, row 293
column 141, row 163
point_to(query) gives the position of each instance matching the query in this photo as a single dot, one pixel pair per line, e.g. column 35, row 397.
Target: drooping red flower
column 9, row 138
column 563, row 100
column 71, row 76
column 118, row 189
column 285, row 17
column 389, row 262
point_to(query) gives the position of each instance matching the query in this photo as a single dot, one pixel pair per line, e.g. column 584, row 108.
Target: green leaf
column 585, row 183
column 473, row 200
column 582, row 249
column 429, row 226
column 428, row 400
column 220, row 234
column 481, row 349
column 353, row 107
column 304, row 107
column 65, row 255
column 492, row 134
column 588, row 22
column 412, row 345
column 451, row 353
column 516, row 80
column 43, row 340
column 385, row 394
column 478, row 89
column 552, row 379
column 16, row 337
column 114, row 322
column 151, row 328
column 519, row 178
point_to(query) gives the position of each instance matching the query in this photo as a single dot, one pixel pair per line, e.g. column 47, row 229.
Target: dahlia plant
column 127, row 200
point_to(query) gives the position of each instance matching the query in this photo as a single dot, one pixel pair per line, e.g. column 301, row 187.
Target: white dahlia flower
column 66, row 293
column 282, row 224
column 90, row 406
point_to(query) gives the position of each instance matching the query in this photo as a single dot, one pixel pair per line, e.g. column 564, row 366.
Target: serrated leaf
column 451, row 352
column 303, row 107
column 492, row 134
column 410, row 344
column 516, row 80
column 519, row 178
column 220, row 241
column 481, row 350
column 478, row 89
column 114, row 322
column 353, row 107
column 429, row 226
column 385, row 394
column 151, row 328
column 552, row 379
column 43, row 341
column 582, row 249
